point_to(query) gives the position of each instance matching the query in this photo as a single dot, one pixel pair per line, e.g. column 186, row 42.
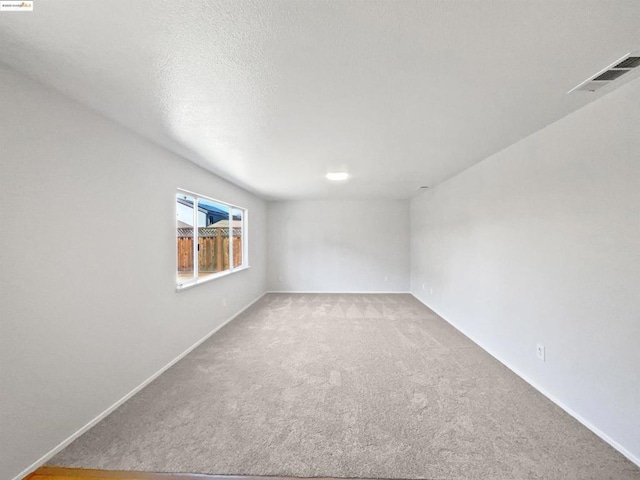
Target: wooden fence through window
column 213, row 249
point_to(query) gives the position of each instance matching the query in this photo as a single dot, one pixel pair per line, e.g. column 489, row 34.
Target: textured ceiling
column 272, row 94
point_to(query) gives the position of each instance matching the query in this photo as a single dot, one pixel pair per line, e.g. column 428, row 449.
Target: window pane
column 237, row 217
column 213, row 238
column 184, row 236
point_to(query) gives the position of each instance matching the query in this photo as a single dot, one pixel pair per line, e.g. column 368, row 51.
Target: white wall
column 540, row 243
column 338, row 246
column 87, row 247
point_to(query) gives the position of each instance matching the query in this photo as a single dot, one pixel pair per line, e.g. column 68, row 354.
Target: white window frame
column 186, row 283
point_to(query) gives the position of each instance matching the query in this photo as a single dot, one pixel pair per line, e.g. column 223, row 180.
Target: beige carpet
column 373, row 386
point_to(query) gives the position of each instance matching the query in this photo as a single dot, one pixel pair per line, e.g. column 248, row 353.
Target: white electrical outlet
column 423, row 286
column 540, row 351
column 431, row 291
column 224, row 302
column 386, row 279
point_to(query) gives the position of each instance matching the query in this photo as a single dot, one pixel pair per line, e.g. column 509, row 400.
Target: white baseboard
column 102, row 415
column 630, row 456
column 338, row 293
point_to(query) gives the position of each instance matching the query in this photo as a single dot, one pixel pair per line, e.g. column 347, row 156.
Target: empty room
column 336, row 239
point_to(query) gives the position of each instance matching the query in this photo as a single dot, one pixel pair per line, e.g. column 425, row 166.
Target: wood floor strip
column 62, row 473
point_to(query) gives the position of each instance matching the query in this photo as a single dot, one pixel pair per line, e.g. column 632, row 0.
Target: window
column 220, row 246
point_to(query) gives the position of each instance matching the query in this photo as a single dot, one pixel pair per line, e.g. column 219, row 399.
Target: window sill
column 202, row 281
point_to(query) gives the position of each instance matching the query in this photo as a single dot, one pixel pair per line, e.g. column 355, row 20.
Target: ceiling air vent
column 606, row 76
column 631, row 62
column 610, row 75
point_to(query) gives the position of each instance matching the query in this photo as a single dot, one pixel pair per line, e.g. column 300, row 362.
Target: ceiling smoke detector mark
column 423, row 187
column 605, row 76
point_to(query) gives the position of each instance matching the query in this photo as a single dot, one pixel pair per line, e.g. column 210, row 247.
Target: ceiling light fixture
column 337, row 176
